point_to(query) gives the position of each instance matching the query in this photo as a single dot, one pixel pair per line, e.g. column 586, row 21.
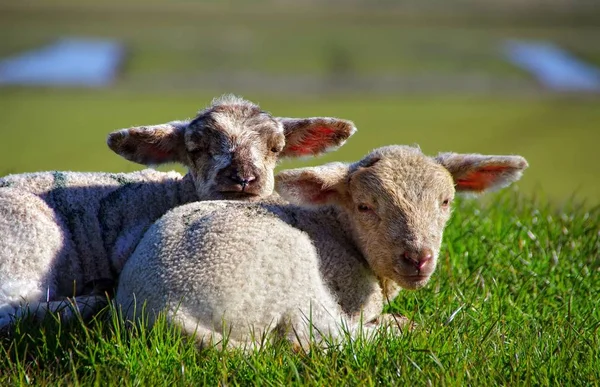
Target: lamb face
column 399, row 205
column 397, row 202
column 231, row 148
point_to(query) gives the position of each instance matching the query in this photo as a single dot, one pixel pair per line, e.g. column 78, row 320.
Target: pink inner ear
column 480, row 179
column 321, row 197
column 318, row 139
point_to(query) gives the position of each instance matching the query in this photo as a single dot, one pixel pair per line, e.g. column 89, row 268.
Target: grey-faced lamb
column 62, row 230
column 350, row 238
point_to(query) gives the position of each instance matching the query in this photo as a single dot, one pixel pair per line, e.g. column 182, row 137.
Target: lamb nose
column 418, row 259
column 243, row 181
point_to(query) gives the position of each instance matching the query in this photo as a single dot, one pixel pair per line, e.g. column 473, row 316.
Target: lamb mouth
column 412, row 282
column 415, row 277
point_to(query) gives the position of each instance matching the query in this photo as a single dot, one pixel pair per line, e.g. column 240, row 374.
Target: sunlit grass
column 515, row 298
column 514, row 301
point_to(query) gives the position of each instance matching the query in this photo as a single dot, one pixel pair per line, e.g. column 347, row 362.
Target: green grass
column 514, row 301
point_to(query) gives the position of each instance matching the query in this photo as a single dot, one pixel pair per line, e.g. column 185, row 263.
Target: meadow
column 514, row 301
column 515, row 297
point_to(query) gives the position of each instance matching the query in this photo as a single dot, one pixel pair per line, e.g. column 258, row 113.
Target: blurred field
column 182, row 55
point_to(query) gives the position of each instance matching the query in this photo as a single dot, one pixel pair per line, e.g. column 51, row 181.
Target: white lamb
column 62, row 230
column 356, row 234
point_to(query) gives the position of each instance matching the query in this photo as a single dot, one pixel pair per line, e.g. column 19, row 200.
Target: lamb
column 63, row 230
column 322, row 265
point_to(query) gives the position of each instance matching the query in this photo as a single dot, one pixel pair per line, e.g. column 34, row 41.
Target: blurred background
column 498, row 77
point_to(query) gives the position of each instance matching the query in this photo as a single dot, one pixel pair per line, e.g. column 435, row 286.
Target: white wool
column 62, row 230
column 246, row 269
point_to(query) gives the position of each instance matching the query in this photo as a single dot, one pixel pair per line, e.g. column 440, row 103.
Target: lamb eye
column 364, row 208
column 275, row 149
column 446, row 203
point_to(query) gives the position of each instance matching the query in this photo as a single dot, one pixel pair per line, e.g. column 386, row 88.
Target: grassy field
column 514, row 301
column 515, row 298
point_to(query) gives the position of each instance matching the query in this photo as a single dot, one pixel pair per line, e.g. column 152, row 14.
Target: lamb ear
column 316, row 135
column 314, row 185
column 479, row 173
column 150, row 145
